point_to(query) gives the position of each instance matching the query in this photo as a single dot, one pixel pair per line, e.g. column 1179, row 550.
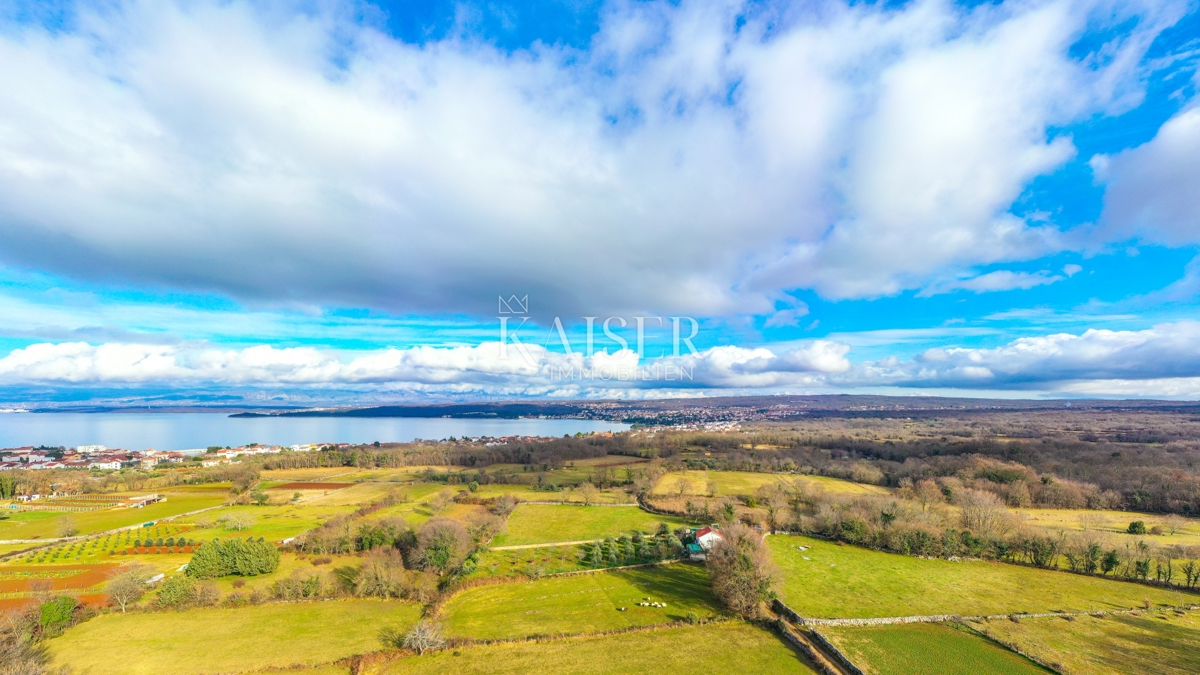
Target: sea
column 189, row 431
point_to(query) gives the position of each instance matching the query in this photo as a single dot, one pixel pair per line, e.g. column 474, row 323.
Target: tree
column 66, row 527
column 381, row 575
column 127, row 588
column 441, row 500
column 741, row 572
column 442, row 545
column 682, row 486
column 1174, row 523
column 1110, row 562
column 504, row 505
column 177, row 591
column 424, row 636
column 928, row 493
column 260, row 496
column 588, row 493
column 982, row 512
column 1137, row 527
column 237, row 521
column 243, row 557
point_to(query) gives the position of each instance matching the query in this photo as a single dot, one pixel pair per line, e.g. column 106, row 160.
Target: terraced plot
column 219, row 640
column 829, row 580
column 730, row 648
column 580, row 603
column 545, row 523
column 1152, row 643
column 926, row 649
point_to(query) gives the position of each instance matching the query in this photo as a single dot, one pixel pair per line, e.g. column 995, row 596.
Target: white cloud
column 1151, row 189
column 1059, row 362
column 527, row 369
column 685, row 164
column 1000, row 280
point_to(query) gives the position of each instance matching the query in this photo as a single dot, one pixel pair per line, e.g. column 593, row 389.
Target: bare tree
column 504, row 505
column 126, row 589
column 66, row 527
column 682, row 486
column 982, row 512
column 440, row 501
column 588, row 492
column 1093, row 521
column 237, row 521
column 424, row 636
column 381, row 575
column 740, row 570
column 1174, row 523
column 928, row 493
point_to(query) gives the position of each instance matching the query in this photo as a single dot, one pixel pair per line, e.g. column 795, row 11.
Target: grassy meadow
column 1151, row 643
column 738, row 483
column 580, row 603
column 855, row 582
column 926, row 649
column 547, row 523
column 220, row 640
column 728, row 648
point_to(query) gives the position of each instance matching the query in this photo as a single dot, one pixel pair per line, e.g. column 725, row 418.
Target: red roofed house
column 707, row 537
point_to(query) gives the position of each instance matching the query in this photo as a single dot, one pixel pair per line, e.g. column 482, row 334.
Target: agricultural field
column 48, row 524
column 1150, row 643
column 926, row 649
column 857, row 583
column 249, row 638
column 1113, row 525
column 581, row 603
column 526, row 493
column 727, row 648
column 547, row 523
column 740, row 484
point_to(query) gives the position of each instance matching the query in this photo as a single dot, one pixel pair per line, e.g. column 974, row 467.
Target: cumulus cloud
column 1160, row 361
column 488, row 367
column 699, row 158
column 1151, row 189
column 1062, row 361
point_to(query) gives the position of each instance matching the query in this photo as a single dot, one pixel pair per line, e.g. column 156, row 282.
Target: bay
column 187, row 431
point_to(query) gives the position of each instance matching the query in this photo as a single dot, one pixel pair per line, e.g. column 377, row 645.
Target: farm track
column 815, row 650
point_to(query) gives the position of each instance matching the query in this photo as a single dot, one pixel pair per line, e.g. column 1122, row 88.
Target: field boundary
column 825, row 657
column 1054, row 668
column 947, row 618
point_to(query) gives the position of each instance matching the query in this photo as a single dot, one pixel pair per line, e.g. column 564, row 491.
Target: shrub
column 57, row 612
column 1137, row 527
column 244, row 557
column 178, row 591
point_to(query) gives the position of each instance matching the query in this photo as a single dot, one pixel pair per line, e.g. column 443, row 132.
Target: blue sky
column 321, row 202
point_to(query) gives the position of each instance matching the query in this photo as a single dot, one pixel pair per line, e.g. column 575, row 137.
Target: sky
column 337, row 203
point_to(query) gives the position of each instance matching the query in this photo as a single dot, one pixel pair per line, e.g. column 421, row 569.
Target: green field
column 202, row 641
column 741, row 483
column 926, row 649
column 526, row 493
column 545, row 523
column 1153, row 643
column 580, row 603
column 44, row 524
column 852, row 582
column 731, row 648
